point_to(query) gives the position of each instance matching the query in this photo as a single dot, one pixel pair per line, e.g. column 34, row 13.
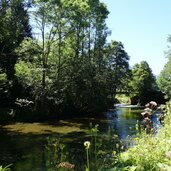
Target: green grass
column 5, row 168
column 152, row 152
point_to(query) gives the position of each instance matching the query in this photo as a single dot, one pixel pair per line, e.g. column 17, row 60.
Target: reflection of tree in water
column 63, row 156
column 124, row 121
column 35, row 152
column 103, row 145
column 55, row 153
column 73, row 155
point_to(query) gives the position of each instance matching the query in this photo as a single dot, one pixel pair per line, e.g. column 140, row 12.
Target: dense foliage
column 164, row 80
column 142, row 83
column 66, row 65
column 14, row 26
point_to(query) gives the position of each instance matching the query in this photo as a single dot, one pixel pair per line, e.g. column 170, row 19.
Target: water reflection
column 45, row 151
column 125, row 121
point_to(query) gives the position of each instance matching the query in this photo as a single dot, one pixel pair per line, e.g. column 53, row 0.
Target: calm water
column 42, row 146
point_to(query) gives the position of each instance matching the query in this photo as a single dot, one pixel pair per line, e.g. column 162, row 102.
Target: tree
column 68, row 51
column 142, row 82
column 87, row 63
column 5, row 86
column 14, row 26
column 68, row 66
column 164, row 79
column 118, row 67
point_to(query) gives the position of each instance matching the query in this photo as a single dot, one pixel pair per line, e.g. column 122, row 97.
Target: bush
column 152, row 152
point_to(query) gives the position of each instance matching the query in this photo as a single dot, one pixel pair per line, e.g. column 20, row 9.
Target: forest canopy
column 55, row 58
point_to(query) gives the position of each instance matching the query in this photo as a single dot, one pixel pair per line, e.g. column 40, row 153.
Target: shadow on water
column 42, row 146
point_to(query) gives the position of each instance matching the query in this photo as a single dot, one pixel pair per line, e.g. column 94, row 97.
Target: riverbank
column 152, row 152
column 24, row 143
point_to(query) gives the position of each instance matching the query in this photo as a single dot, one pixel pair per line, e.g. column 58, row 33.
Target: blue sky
column 143, row 26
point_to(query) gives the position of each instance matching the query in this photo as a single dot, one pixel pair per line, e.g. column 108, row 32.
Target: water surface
column 43, row 146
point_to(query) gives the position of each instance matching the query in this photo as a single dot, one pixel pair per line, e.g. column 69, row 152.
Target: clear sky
column 143, row 26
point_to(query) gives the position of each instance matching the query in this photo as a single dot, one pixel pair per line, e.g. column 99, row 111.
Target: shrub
column 152, row 152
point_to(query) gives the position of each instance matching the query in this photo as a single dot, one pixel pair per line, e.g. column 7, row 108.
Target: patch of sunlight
column 44, row 128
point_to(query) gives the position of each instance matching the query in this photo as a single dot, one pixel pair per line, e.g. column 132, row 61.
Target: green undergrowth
column 5, row 168
column 152, row 152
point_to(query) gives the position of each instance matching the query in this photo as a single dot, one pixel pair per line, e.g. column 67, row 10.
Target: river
column 44, row 146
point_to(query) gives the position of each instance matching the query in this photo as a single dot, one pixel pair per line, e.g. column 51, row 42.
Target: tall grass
column 5, row 168
column 152, row 152
column 99, row 149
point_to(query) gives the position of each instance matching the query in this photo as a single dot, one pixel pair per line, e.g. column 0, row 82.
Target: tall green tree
column 89, row 46
column 164, row 79
column 14, row 23
column 14, row 26
column 118, row 67
column 142, row 82
column 67, row 66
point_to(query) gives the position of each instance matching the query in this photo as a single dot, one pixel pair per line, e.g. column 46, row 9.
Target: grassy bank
column 152, row 152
